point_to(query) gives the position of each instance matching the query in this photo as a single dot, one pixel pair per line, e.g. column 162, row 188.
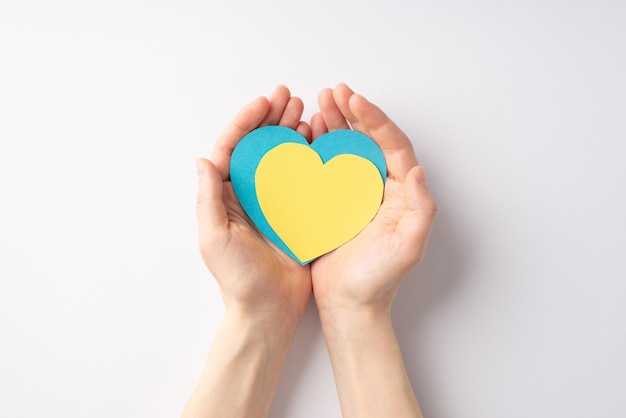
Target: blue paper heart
column 250, row 150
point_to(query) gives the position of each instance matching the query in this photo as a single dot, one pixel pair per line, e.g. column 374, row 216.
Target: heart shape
column 308, row 199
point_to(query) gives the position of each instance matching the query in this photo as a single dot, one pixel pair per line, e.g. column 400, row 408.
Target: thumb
column 210, row 209
column 418, row 220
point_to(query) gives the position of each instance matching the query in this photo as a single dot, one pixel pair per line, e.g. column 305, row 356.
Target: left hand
column 255, row 277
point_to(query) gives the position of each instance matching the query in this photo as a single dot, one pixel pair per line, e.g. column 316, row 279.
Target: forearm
column 368, row 367
column 242, row 369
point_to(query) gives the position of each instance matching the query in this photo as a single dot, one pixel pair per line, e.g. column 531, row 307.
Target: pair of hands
column 256, row 278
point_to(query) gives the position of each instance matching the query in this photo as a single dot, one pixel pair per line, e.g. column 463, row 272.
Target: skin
column 265, row 292
column 355, row 285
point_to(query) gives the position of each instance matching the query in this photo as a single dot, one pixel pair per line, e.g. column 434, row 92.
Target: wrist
column 359, row 297
column 279, row 327
column 355, row 324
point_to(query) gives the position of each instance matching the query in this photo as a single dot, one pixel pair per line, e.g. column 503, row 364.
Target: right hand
column 365, row 273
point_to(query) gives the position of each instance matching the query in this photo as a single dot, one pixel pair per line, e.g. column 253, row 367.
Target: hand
column 255, row 277
column 355, row 285
column 367, row 271
column 264, row 290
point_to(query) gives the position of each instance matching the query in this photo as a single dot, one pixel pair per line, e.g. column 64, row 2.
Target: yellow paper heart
column 315, row 207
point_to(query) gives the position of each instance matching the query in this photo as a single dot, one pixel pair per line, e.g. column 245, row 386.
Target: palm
column 246, row 247
column 359, row 268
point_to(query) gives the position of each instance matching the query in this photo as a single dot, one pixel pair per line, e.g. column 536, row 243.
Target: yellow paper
column 315, row 207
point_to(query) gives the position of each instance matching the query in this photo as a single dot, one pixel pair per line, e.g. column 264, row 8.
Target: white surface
column 516, row 108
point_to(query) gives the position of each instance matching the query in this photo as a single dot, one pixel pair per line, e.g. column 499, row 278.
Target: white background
column 517, row 109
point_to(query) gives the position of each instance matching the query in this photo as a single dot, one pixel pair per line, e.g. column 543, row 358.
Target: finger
column 305, row 130
column 416, row 224
column 245, row 121
column 342, row 94
column 333, row 117
column 292, row 113
column 318, row 126
column 278, row 101
column 210, row 209
column 395, row 145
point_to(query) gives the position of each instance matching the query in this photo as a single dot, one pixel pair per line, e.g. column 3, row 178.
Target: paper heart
column 308, row 199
